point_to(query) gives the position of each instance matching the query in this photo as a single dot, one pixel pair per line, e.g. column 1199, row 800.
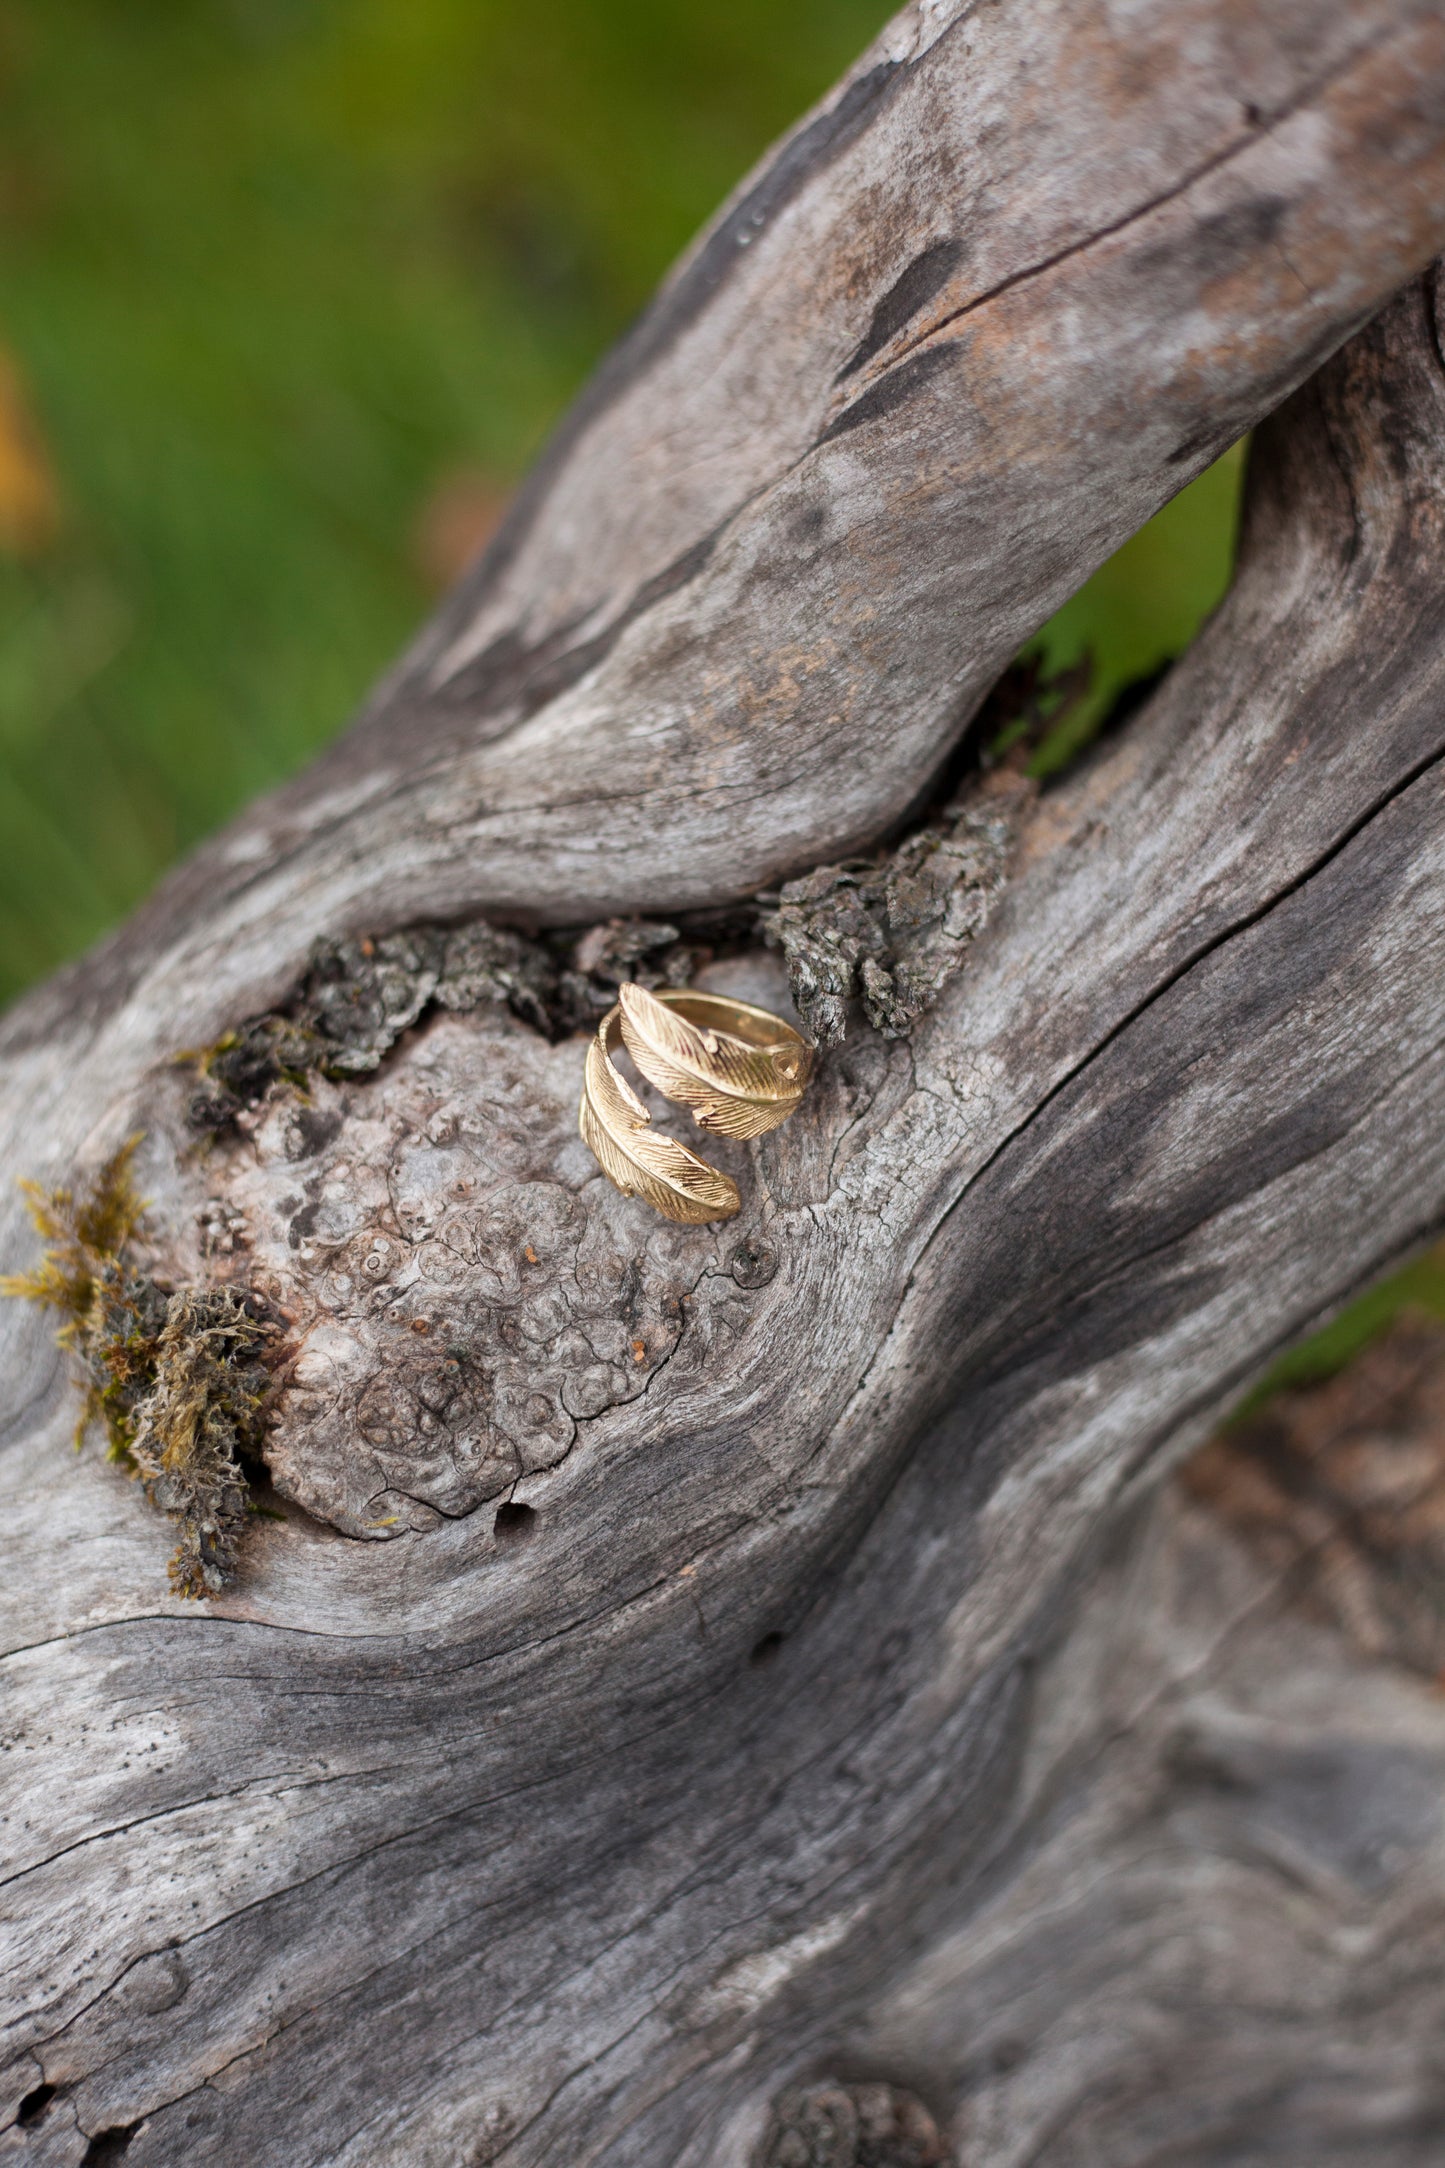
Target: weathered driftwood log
column 740, row 1747
column 1210, row 1918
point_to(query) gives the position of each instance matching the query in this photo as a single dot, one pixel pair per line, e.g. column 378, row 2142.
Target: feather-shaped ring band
column 741, row 1070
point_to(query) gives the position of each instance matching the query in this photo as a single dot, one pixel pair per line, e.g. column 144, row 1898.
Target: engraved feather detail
column 733, row 1088
column 617, row 1129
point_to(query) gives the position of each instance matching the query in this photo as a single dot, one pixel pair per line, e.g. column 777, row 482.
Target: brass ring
column 741, row 1070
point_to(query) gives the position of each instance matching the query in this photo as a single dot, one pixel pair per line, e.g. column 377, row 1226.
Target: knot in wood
column 830, row 2125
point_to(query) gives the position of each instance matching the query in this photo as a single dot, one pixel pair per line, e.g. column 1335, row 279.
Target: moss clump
column 110, row 1318
column 180, row 1379
column 198, row 1426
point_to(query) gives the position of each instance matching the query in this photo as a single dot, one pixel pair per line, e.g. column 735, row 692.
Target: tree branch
column 575, row 1845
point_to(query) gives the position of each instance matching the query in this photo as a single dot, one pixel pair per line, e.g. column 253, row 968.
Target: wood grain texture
column 774, row 1740
column 1207, row 1925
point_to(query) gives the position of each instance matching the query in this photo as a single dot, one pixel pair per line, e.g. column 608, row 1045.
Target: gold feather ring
column 741, row 1070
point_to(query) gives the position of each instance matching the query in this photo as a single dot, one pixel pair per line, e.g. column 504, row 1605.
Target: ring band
column 740, row 1069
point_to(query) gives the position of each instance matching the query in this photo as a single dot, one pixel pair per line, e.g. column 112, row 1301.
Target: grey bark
column 846, row 1706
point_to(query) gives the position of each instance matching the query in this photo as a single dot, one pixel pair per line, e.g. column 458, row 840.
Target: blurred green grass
column 272, row 271
column 1145, row 605
column 291, row 292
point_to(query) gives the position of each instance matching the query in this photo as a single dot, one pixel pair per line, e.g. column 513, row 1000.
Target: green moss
column 1143, row 607
column 180, row 1379
column 106, row 1323
column 199, row 1424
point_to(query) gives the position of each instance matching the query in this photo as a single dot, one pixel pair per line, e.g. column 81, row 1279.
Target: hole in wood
column 34, row 2105
column 515, row 1522
column 108, row 2146
column 763, row 1652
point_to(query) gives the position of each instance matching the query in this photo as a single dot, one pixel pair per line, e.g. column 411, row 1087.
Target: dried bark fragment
column 895, row 928
column 359, row 995
column 1343, row 1485
column 482, row 963
column 645, row 950
column 851, row 2126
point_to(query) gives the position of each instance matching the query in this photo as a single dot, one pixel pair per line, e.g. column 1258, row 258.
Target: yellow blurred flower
column 29, row 492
